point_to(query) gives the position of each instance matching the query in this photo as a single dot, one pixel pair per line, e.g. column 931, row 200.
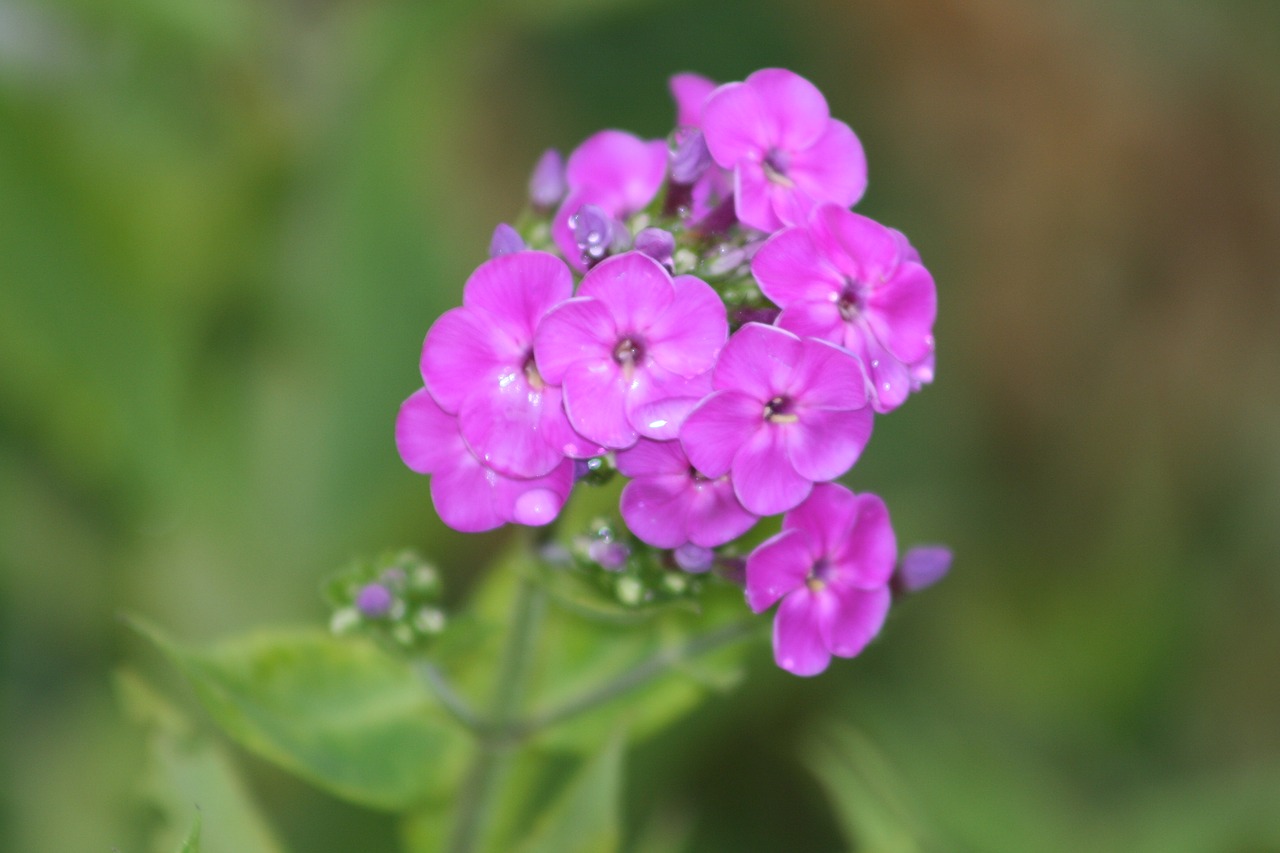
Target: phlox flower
column 848, row 279
column 468, row 495
column 668, row 503
column 775, row 131
column 632, row 338
column 478, row 364
column 830, row 566
column 618, row 173
column 786, row 413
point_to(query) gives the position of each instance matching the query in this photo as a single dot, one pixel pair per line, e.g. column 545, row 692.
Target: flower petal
column 577, row 329
column 753, row 197
column 763, row 477
column 671, row 398
column 503, row 424
column 651, row 459
column 902, row 310
column 814, row 319
column 861, row 248
column 688, row 335
column 713, row 515
column 735, row 125
column 827, row 377
column 515, row 290
column 889, row 379
column 464, row 496
column 855, row 619
column 798, row 646
column 654, row 509
column 595, row 398
column 426, row 436
column 834, row 168
column 463, row 349
column 796, row 111
column 758, row 360
column 790, row 269
column 634, row 287
column 827, row 517
column 866, row 556
column 717, row 427
column 777, row 567
column 825, row 443
column 538, row 501
column 690, row 91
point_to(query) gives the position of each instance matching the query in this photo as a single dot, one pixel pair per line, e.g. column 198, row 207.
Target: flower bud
column 593, row 231
column 694, row 558
column 547, row 185
column 657, row 244
column 374, row 601
column 505, row 241
column 922, row 567
column 608, row 555
column 690, row 158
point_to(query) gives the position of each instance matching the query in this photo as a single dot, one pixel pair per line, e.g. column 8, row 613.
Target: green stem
column 640, row 675
column 490, row 760
column 450, row 699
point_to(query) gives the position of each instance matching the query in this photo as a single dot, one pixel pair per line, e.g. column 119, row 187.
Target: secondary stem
column 476, row 796
column 640, row 675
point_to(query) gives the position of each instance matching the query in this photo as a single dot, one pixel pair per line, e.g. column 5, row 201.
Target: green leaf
column 192, row 842
column 585, row 818
column 870, row 801
column 185, row 769
column 338, row 712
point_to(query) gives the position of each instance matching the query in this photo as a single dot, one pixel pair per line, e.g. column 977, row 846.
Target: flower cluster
column 705, row 312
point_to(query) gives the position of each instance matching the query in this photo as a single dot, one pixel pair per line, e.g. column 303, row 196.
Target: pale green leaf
column 186, row 770
column 338, row 712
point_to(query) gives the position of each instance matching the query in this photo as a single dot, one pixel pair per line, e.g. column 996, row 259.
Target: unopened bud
column 547, row 184
column 505, row 241
column 657, row 244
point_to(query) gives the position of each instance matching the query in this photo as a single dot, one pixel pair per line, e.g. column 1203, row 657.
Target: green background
column 225, row 227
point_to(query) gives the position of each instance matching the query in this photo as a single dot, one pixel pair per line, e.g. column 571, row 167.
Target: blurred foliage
column 226, row 226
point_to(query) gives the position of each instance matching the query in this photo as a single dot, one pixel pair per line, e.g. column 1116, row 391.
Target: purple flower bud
column 694, row 558
column 374, row 601
column 609, row 555
column 593, row 231
column 657, row 244
column 690, row 158
column 547, row 184
column 505, row 241
column 922, row 567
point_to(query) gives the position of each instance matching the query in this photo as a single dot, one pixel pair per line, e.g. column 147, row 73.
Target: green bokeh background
column 225, row 226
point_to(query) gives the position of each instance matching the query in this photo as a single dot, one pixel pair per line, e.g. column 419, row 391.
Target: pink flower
column 852, row 281
column 776, row 133
column 632, row 338
column 668, row 503
column 831, row 566
column 478, row 364
column 786, row 413
column 469, row 496
column 617, row 172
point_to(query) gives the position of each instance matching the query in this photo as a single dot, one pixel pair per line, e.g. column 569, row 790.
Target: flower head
column 478, row 364
column 852, row 281
column 830, row 566
column 775, row 132
column 668, row 503
column 786, row 413
column 631, row 335
column 468, row 495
